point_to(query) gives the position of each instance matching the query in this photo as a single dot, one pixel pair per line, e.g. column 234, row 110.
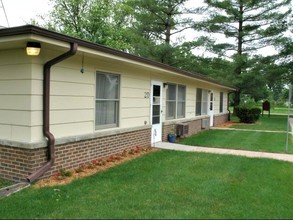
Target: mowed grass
column 278, row 110
column 4, row 183
column 274, row 142
column 272, row 123
column 244, row 140
column 274, row 110
column 167, row 184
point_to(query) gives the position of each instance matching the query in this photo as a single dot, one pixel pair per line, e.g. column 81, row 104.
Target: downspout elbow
column 46, row 112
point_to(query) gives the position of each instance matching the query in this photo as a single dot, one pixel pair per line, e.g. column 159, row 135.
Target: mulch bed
column 67, row 176
column 229, row 124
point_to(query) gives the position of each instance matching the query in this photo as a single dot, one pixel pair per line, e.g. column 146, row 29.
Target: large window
column 221, row 101
column 107, row 100
column 201, row 102
column 175, row 103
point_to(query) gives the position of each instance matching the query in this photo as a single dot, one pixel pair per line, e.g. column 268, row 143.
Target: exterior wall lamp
column 33, row 48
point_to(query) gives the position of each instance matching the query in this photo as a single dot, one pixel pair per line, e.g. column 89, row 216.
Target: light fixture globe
column 33, row 48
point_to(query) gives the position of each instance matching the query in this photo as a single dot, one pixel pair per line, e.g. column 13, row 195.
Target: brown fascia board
column 31, row 29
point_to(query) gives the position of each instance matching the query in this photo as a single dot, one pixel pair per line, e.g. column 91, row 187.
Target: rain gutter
column 46, row 112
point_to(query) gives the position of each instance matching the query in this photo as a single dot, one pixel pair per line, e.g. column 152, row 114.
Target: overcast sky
column 19, row 12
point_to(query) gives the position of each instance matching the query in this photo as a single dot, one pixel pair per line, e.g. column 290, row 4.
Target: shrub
column 65, row 173
column 247, row 115
column 101, row 162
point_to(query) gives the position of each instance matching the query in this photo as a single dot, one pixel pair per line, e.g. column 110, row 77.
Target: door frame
column 211, row 108
column 156, row 129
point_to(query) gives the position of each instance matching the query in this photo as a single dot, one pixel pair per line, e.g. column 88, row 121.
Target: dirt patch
column 229, row 124
column 67, row 176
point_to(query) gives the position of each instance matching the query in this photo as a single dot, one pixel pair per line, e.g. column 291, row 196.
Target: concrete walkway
column 7, row 191
column 242, row 129
column 255, row 154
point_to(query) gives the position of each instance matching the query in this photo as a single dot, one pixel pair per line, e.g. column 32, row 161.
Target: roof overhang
column 26, row 33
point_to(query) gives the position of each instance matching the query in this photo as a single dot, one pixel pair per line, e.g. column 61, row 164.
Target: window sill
column 182, row 120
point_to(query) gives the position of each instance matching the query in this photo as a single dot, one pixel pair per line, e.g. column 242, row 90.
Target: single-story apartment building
column 65, row 102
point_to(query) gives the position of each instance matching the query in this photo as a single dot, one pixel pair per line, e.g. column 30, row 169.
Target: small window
column 171, row 102
column 201, row 102
column 181, row 101
column 221, row 102
column 175, row 101
column 107, row 100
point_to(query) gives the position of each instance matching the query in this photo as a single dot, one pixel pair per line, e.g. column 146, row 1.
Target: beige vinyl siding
column 71, row 116
column 15, row 117
column 72, row 128
column 216, row 102
column 134, row 104
column 72, row 98
column 190, row 103
column 16, row 71
column 15, row 133
column 71, row 102
column 72, row 107
column 16, row 98
column 21, row 97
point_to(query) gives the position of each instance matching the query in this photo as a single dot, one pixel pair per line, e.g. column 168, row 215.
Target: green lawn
column 274, row 123
column 5, row 183
column 274, row 110
column 247, row 140
column 167, row 184
column 244, row 140
column 279, row 110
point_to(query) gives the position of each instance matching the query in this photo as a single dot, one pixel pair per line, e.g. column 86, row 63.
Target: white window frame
column 117, row 102
column 176, row 101
column 204, row 101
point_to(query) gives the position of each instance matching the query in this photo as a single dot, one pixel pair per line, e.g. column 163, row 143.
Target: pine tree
column 155, row 23
column 249, row 25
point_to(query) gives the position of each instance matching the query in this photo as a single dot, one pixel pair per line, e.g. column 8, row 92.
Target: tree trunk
column 238, row 69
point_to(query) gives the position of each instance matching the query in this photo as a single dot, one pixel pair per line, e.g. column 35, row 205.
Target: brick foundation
column 17, row 163
column 194, row 127
column 220, row 119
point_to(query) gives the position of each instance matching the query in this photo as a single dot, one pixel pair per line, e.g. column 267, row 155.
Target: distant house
column 77, row 101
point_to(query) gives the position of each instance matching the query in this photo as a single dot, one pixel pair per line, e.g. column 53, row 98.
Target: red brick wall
column 166, row 130
column 18, row 163
column 194, row 127
column 221, row 119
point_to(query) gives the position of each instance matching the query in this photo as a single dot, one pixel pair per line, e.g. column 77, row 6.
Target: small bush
column 247, row 115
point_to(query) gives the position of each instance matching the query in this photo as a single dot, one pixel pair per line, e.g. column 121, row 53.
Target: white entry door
column 211, row 111
column 156, row 111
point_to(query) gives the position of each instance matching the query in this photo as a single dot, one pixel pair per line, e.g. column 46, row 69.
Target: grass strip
column 244, row 140
column 167, row 184
column 273, row 123
column 4, row 183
